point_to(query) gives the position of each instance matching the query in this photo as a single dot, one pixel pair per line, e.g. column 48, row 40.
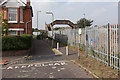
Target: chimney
column 28, row 2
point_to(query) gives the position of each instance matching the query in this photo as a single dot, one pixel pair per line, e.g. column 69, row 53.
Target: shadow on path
column 40, row 47
column 41, row 52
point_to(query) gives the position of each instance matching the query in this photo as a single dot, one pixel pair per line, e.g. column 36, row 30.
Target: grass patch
column 98, row 68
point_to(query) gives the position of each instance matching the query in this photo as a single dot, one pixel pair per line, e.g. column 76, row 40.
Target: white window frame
column 14, row 13
column 21, row 15
column 13, row 34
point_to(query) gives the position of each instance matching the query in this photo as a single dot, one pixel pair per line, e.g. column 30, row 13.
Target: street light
column 37, row 21
column 52, row 21
column 52, row 15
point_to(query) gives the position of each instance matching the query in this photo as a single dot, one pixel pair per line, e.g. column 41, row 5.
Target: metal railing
column 102, row 42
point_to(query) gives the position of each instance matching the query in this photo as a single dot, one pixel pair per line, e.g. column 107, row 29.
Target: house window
column 12, row 14
column 21, row 15
column 12, row 33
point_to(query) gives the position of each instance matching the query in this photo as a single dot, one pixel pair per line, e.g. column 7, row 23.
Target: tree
column 0, row 23
column 82, row 23
column 36, row 30
column 57, row 28
column 0, row 15
column 5, row 27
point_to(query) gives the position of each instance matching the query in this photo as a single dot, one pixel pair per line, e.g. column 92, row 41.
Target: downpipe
column 26, row 25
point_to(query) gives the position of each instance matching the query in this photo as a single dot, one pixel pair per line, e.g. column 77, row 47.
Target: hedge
column 16, row 42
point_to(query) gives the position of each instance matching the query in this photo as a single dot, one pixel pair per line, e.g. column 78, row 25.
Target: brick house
column 19, row 15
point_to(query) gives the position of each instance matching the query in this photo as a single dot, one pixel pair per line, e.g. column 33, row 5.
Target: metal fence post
column 109, row 44
column 86, row 43
column 119, row 38
column 119, row 50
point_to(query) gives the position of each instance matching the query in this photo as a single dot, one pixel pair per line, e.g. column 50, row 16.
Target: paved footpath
column 43, row 63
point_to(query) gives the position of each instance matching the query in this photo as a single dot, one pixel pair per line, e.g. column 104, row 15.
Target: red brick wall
column 26, row 17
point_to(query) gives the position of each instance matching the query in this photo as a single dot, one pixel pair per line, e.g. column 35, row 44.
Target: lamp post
column 52, row 21
column 37, row 21
column 52, row 15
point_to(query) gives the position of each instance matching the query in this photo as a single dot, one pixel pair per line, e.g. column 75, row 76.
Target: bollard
column 67, row 53
column 79, row 52
column 57, row 45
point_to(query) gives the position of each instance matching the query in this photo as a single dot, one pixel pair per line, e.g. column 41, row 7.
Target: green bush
column 16, row 42
column 82, row 47
column 43, row 35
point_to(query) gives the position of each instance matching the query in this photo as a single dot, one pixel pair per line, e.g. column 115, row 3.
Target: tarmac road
column 44, row 64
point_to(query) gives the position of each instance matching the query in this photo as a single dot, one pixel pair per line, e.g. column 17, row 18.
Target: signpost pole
column 79, row 43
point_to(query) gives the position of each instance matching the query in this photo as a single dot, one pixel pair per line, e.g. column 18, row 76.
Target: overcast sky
column 101, row 12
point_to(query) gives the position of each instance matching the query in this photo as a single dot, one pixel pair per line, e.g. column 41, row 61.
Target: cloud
column 75, row 0
column 98, row 12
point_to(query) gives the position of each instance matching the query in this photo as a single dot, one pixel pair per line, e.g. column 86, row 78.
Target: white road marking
column 63, row 63
column 62, row 68
column 47, row 62
column 44, row 65
column 58, row 70
column 37, row 65
column 50, row 64
column 53, row 67
column 24, row 71
column 56, row 64
column 24, row 76
column 10, row 67
column 51, row 76
column 53, row 64
column 23, row 67
column 30, row 65
column 51, row 73
column 16, row 67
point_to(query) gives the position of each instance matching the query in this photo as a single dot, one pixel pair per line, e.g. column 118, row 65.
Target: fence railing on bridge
column 102, row 42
